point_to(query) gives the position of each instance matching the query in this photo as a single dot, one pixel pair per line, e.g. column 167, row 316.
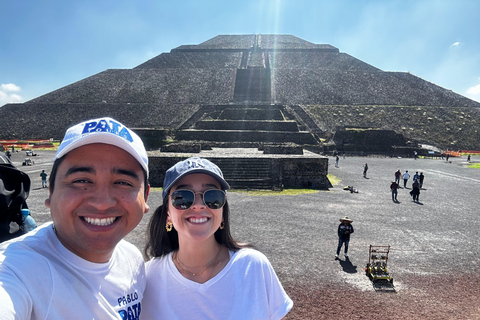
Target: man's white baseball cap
column 104, row 130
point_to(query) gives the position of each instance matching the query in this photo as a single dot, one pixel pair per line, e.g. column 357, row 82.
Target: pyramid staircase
column 246, row 173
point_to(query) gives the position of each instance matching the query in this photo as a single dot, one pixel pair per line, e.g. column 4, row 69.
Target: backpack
column 14, row 190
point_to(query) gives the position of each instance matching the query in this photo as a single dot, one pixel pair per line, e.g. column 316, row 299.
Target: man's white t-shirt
column 41, row 279
column 247, row 288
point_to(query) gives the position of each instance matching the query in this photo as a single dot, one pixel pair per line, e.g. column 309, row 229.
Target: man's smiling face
column 97, row 200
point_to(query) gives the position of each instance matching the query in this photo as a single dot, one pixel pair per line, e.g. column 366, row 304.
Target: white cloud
column 8, row 93
column 456, row 44
column 474, row 92
column 9, row 87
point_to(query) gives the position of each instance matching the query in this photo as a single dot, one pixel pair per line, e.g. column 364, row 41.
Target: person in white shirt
column 78, row 266
column 198, row 270
column 406, row 176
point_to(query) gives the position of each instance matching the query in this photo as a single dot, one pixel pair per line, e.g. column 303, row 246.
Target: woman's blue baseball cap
column 189, row 166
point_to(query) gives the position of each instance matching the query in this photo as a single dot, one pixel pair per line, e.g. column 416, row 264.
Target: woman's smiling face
column 198, row 222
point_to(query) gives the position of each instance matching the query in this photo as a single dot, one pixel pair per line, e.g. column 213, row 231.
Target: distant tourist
column 43, row 175
column 468, row 158
column 415, row 193
column 420, row 179
column 406, row 176
column 394, row 189
column 345, row 229
column 365, row 169
column 336, row 161
column 416, row 176
column 397, row 176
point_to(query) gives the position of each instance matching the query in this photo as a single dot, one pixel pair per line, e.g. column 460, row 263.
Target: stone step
column 288, row 126
column 301, row 138
column 242, row 173
column 252, row 84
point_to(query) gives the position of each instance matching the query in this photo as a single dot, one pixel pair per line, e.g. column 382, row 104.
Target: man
column 416, row 176
column 406, row 176
column 78, row 267
column 394, row 189
column 345, row 229
column 397, row 176
column 43, row 175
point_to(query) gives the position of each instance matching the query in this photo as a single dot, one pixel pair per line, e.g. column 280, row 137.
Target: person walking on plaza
column 420, row 179
column 416, row 176
column 415, row 193
column 394, row 189
column 397, row 176
column 43, row 175
column 406, row 176
column 365, row 169
column 345, row 229
column 78, row 266
column 336, row 161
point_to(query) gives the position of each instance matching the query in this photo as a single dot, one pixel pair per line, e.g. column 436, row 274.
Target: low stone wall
column 294, row 172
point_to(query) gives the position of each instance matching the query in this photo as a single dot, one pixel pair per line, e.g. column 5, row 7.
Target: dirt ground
column 434, row 256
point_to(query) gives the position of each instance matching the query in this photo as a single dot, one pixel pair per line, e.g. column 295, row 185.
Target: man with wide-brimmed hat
column 345, row 229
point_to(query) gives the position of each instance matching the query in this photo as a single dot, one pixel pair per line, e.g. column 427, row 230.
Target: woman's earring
column 169, row 226
column 222, row 225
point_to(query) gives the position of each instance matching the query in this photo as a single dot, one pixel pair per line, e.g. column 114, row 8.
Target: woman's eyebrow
column 206, row 185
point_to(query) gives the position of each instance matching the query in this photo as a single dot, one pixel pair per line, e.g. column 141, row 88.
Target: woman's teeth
column 198, row 220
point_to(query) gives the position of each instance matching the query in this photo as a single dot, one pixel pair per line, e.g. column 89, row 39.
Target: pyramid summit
column 229, row 79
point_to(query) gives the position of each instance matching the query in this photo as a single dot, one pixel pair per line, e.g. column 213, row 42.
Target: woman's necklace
column 184, row 268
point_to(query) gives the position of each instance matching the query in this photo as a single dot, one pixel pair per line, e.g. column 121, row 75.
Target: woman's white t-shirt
column 247, row 288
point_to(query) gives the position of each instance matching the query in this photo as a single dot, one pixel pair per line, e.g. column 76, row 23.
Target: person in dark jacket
column 345, row 229
column 415, row 193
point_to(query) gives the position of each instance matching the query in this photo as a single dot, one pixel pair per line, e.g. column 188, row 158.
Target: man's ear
column 47, row 202
column 147, row 192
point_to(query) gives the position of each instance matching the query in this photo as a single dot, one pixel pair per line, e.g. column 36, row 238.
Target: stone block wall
column 285, row 172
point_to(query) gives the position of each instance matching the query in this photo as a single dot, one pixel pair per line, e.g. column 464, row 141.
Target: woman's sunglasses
column 184, row 199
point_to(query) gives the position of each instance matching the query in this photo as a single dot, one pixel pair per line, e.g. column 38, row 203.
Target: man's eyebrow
column 91, row 170
column 126, row 172
column 76, row 169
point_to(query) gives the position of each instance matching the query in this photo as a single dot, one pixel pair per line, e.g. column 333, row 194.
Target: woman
column 198, row 270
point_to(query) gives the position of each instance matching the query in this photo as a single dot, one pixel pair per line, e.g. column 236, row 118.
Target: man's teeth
column 198, row 220
column 100, row 222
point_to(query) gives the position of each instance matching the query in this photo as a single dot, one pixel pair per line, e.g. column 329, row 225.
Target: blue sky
column 48, row 44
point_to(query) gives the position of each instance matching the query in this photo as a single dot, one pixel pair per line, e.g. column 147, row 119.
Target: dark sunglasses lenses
column 184, row 199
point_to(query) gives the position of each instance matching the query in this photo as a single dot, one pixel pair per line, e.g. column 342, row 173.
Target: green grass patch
column 474, row 165
column 333, row 180
column 284, row 192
